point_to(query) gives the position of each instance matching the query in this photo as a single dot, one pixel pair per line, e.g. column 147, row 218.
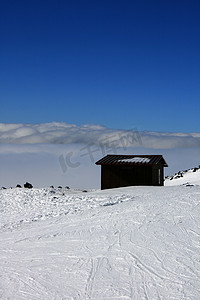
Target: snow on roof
column 135, row 160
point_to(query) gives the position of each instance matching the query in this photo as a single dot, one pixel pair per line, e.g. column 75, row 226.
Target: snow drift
column 186, row 177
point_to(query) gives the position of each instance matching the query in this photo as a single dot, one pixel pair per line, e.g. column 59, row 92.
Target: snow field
column 129, row 243
column 188, row 177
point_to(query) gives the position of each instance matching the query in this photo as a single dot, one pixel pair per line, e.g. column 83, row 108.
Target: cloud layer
column 62, row 133
column 63, row 154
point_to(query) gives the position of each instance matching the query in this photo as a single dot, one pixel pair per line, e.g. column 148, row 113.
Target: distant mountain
column 187, row 177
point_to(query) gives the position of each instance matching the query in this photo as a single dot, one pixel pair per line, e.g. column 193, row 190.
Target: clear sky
column 119, row 63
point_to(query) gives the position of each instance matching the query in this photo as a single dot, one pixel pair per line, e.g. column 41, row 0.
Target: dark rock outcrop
column 28, row 185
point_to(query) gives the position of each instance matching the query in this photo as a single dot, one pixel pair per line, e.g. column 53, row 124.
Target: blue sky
column 123, row 64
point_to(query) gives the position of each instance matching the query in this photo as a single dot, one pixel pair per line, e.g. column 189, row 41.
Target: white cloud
column 63, row 154
column 62, row 133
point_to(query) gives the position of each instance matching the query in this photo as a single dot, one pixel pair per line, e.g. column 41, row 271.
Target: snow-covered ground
column 128, row 243
column 187, row 177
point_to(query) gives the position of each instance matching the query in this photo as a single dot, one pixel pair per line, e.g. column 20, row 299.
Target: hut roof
column 132, row 160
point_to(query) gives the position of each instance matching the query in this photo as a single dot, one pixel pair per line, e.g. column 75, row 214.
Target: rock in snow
column 28, row 185
column 128, row 243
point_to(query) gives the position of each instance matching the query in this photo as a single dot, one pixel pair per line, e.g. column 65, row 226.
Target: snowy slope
column 188, row 177
column 129, row 243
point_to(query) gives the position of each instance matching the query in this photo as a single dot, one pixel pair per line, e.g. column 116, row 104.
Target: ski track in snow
column 129, row 243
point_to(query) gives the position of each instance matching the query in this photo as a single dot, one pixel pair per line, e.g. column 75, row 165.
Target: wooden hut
column 127, row 170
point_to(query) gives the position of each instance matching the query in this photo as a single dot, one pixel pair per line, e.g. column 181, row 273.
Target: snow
column 127, row 243
column 188, row 177
column 135, row 160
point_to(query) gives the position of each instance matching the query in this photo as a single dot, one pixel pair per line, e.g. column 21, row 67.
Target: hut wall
column 158, row 175
column 120, row 176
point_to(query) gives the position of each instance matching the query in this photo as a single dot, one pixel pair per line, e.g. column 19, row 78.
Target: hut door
column 159, row 181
